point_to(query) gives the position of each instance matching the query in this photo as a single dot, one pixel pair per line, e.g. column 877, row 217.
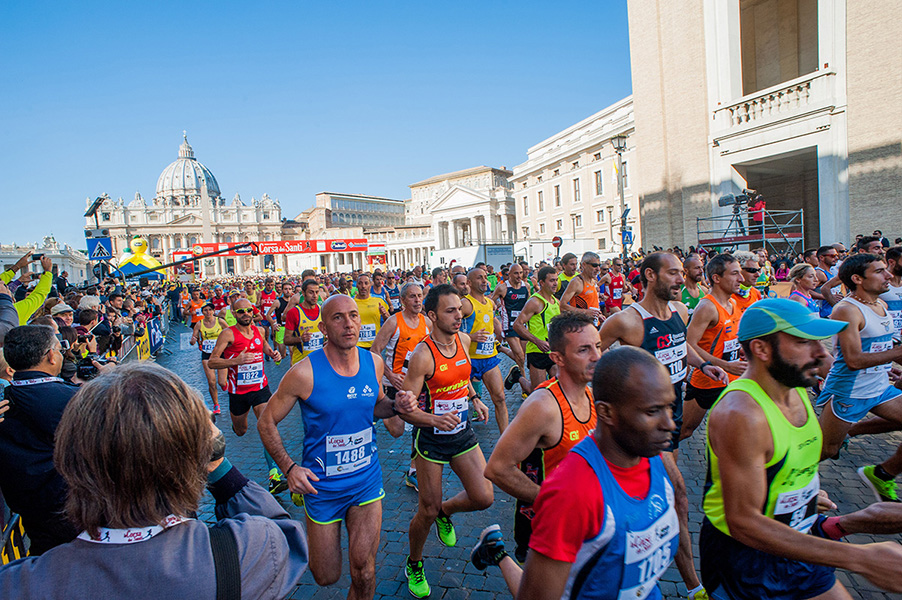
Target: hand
column 26, row 277
column 101, row 368
column 193, row 339
column 824, row 503
column 482, row 409
column 4, row 291
column 405, row 402
column 4, row 406
column 895, row 375
column 543, row 346
column 736, row 367
column 22, row 262
column 447, row 421
column 276, row 356
column 481, row 336
column 395, row 379
column 716, row 373
column 46, row 263
column 299, row 479
column 305, row 337
column 245, row 359
column 383, row 311
column 883, row 565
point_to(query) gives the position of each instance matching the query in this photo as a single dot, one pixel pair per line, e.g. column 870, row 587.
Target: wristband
column 293, row 465
column 393, row 409
column 470, row 399
column 702, row 366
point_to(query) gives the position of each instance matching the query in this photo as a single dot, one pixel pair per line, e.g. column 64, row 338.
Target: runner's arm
column 850, row 341
column 694, row 359
column 195, row 336
column 537, row 425
column 570, row 292
column 705, row 316
column 386, row 408
column 384, row 336
column 421, row 363
column 543, row 578
column 267, row 349
column 613, row 329
column 216, row 361
column 827, row 290
column 292, row 319
column 532, row 307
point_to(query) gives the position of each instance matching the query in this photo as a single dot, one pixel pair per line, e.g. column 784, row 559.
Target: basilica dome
column 185, row 176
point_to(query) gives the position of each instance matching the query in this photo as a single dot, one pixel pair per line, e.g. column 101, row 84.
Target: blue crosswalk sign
column 100, row 248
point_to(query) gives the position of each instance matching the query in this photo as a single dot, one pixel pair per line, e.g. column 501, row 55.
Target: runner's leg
column 429, row 479
column 495, row 384
column 693, row 415
column 363, row 523
column 684, row 558
column 478, row 493
column 324, row 542
column 837, row 592
column 211, row 383
column 833, row 431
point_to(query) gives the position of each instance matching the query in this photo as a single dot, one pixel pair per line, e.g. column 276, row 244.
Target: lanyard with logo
column 24, row 382
column 132, row 534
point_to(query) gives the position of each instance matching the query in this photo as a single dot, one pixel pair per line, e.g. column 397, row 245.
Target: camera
column 37, row 257
column 116, row 330
column 85, row 369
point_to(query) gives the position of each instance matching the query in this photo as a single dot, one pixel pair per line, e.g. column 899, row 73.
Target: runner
column 302, row 330
column 605, row 524
column 339, row 392
column 379, row 290
column 658, row 324
column 219, row 301
column 615, row 285
column 372, row 310
column 399, row 336
column 206, row 332
column 483, row 350
column 762, row 494
column 513, row 294
column 712, row 335
column 804, row 280
column 858, row 381
column 532, row 325
column 276, row 317
column 893, row 296
column 569, row 263
column 240, row 349
column 443, row 434
column 226, row 314
column 826, row 259
column 555, row 417
column 195, row 307
column 392, row 292
column 748, row 294
column 694, row 289
column 250, row 291
column 581, row 294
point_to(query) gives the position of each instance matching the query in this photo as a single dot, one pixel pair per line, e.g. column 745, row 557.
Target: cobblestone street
column 448, row 570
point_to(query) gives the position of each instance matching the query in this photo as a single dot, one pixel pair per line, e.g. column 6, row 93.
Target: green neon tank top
column 792, row 477
column 538, row 323
column 690, row 301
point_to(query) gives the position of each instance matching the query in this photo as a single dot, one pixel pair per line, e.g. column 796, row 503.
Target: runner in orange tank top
column 581, row 295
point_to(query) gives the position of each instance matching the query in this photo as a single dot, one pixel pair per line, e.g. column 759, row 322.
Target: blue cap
column 778, row 314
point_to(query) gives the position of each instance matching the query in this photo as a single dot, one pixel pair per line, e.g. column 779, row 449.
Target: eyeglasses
column 594, row 265
column 751, row 270
column 243, row 311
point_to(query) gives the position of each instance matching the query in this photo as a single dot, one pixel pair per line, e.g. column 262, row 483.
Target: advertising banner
column 287, row 247
column 155, row 335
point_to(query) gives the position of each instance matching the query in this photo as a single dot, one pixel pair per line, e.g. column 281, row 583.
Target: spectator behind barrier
column 35, row 300
column 139, row 477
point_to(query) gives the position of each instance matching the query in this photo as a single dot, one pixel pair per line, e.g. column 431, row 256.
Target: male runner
column 440, row 367
column 461, row 284
column 276, row 317
column 206, row 332
column 398, row 337
column 748, row 294
column 340, row 394
column 762, row 493
column 219, row 301
column 240, row 349
column 893, row 296
column 605, row 525
column 513, row 294
column 581, row 294
column 712, row 335
column 615, row 284
column 392, row 292
column 250, row 291
column 694, row 289
column 372, row 310
column 858, row 381
column 826, row 258
column 658, row 324
column 483, row 351
column 378, row 290
column 195, row 307
column 302, row 330
column 532, row 325
column 569, row 263
column 553, row 419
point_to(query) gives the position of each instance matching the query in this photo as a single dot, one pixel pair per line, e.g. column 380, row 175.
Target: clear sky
column 285, row 98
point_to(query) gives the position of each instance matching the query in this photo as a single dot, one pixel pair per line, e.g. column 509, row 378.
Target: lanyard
column 132, row 534
column 24, row 382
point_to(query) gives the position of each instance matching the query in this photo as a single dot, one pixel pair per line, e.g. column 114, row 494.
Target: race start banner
column 286, row 247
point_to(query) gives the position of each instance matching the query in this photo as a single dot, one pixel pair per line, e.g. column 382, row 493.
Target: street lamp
column 619, row 143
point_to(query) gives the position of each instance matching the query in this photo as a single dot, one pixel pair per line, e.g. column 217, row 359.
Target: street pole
column 619, row 143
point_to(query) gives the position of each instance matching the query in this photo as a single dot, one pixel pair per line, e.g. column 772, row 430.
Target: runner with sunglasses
column 748, row 294
column 392, row 293
column 582, row 291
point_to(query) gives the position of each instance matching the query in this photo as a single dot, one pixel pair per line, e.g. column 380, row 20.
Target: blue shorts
column 852, row 410
column 481, row 366
column 331, row 503
column 733, row 571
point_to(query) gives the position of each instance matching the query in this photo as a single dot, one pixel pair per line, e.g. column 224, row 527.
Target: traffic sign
column 557, row 241
column 100, row 248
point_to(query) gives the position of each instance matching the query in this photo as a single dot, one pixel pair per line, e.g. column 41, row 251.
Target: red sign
column 556, row 241
column 286, row 247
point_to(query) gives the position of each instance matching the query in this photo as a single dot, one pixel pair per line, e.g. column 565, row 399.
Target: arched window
column 155, row 244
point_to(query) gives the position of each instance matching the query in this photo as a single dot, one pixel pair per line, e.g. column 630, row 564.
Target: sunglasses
column 243, row 311
column 751, row 270
column 594, row 265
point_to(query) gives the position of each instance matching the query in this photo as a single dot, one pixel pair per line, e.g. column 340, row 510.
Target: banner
column 155, row 335
column 287, row 247
column 143, row 343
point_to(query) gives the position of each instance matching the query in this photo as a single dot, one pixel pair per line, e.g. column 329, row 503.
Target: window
column 575, row 165
column 265, row 216
column 542, row 227
column 524, row 185
column 541, row 197
column 134, row 218
column 557, row 195
column 154, row 217
column 559, row 225
column 599, row 185
column 596, row 156
column 525, row 206
column 104, row 216
column 602, row 243
column 557, row 172
column 577, row 220
column 626, row 177
column 525, row 232
column 576, row 197
column 539, row 179
column 599, row 216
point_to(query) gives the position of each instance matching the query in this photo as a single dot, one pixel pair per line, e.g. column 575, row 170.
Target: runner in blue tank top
column 340, row 392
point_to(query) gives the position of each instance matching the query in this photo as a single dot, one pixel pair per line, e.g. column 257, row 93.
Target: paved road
column 449, row 573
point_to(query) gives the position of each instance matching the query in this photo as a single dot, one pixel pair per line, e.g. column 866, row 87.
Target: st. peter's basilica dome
column 183, row 179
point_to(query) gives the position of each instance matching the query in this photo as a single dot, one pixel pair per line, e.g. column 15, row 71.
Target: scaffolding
column 781, row 231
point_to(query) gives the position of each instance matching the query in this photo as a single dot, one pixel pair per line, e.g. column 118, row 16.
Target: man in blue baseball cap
column 763, row 447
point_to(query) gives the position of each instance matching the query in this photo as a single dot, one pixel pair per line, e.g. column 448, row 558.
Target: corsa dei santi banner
column 287, row 247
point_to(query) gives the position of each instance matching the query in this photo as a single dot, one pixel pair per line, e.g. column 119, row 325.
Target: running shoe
column 297, row 499
column 216, row 409
column 513, row 376
column 277, row 483
column 416, row 579
column 699, row 595
column 445, row 530
column 884, row 491
column 410, row 479
column 490, row 548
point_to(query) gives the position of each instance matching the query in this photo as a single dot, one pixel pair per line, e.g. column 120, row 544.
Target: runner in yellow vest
column 373, row 310
column 205, row 333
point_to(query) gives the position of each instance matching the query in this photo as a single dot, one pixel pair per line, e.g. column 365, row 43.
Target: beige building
column 568, row 187
column 794, row 98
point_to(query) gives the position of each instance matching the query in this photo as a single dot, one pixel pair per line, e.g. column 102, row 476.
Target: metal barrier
column 150, row 342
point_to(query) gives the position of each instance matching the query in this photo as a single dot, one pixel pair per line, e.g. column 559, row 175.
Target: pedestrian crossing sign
column 100, row 248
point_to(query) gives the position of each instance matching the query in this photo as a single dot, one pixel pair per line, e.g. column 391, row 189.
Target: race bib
column 618, row 293
column 514, row 315
column 395, row 303
column 445, row 406
column 731, row 350
column 798, row 508
column 897, row 321
column 316, row 341
column 648, row 554
column 880, row 347
column 368, row 332
column 207, row 345
column 250, row 374
column 675, row 360
column 485, row 348
column 349, row 452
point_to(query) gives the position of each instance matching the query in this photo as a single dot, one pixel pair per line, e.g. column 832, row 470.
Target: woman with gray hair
column 136, row 447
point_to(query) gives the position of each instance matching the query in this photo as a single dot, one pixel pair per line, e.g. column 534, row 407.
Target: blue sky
column 285, row 98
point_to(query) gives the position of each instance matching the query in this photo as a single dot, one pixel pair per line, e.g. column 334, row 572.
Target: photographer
column 139, row 478
column 29, row 305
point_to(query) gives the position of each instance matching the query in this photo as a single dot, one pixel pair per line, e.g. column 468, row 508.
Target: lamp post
column 619, row 143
